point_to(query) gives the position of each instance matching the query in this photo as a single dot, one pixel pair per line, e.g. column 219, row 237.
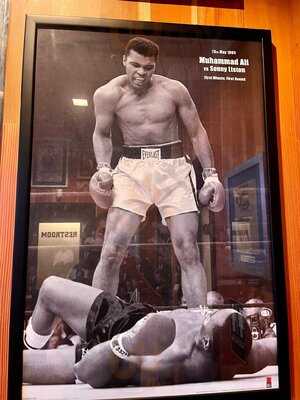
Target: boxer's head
column 142, row 46
column 225, row 335
column 139, row 60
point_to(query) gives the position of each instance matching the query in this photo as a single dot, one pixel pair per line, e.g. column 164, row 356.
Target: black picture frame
column 35, row 25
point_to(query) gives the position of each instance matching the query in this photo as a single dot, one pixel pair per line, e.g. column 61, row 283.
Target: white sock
column 33, row 340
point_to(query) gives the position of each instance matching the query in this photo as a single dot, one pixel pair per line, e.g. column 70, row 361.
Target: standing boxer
column 130, row 344
column 153, row 169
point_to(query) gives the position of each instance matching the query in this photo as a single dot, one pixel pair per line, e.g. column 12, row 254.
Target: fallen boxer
column 132, row 344
column 153, row 168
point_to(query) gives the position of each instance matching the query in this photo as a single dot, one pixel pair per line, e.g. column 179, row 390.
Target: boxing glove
column 212, row 194
column 100, row 187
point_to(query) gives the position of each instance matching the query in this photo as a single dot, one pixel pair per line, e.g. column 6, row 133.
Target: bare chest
column 155, row 107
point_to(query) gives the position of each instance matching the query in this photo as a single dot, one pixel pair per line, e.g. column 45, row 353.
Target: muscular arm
column 104, row 103
column 189, row 115
column 144, row 339
column 49, row 367
column 98, row 366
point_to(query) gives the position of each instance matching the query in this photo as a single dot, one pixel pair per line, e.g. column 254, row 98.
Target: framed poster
column 247, row 217
column 131, row 278
column 50, row 164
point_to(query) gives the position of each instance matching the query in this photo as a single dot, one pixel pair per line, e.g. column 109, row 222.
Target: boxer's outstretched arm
column 49, row 367
column 150, row 336
column 98, row 366
column 105, row 99
column 190, row 118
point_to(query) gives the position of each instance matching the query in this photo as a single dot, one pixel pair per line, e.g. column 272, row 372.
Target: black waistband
column 173, row 150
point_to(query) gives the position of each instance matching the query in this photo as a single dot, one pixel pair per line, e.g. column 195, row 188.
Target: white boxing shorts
column 167, row 183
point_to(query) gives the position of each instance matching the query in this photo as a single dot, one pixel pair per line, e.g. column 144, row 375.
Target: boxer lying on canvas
column 132, row 344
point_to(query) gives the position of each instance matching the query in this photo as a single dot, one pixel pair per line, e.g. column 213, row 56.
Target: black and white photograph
column 50, row 163
column 148, row 258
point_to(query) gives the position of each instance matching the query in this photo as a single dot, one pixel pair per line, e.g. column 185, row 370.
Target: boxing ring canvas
column 228, row 74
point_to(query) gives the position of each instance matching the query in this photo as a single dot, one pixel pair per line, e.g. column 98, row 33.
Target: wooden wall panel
column 91, row 8
column 8, row 170
column 220, row 17
column 171, row 13
column 290, row 140
column 283, row 18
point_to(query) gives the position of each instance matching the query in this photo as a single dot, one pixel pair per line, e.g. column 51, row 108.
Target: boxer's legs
column 121, row 225
column 49, row 367
column 71, row 301
column 183, row 230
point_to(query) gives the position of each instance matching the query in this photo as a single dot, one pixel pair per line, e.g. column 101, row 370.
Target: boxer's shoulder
column 175, row 88
column 111, row 92
column 167, row 83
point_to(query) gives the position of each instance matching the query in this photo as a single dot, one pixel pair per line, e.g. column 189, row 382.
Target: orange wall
column 282, row 17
